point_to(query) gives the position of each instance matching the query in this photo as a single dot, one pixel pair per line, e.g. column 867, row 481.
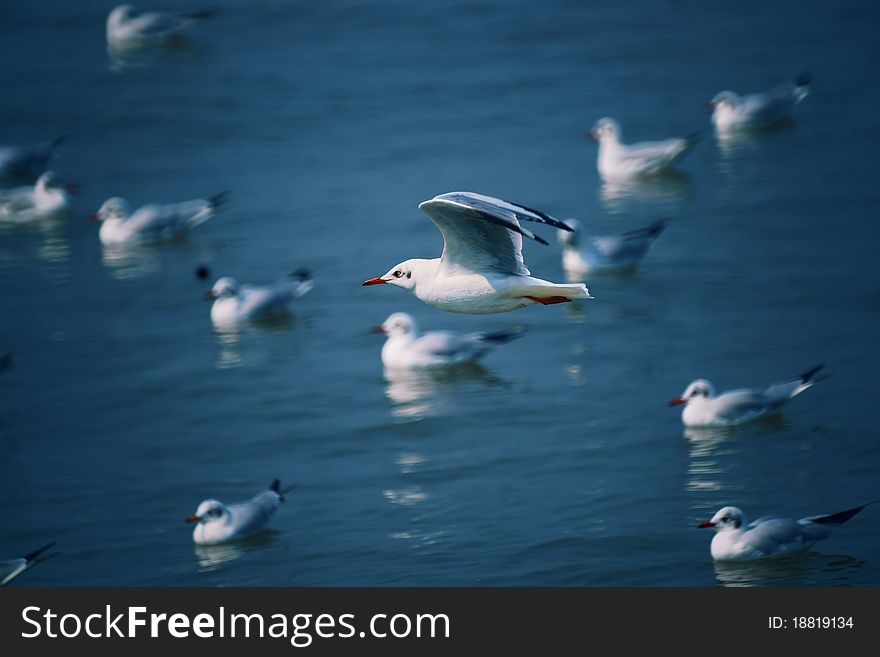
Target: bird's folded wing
column 771, row 534
column 482, row 233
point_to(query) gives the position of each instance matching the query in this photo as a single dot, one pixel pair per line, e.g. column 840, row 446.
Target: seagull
column 152, row 222
column 731, row 111
column 704, row 409
column 481, row 269
column 619, row 161
column 27, row 160
column 12, row 568
column 768, row 536
column 218, row 523
column 607, row 253
column 234, row 303
column 126, row 28
column 48, row 197
column 405, row 348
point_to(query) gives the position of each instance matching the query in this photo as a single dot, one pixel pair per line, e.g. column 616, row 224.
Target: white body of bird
column 126, row 28
column 152, row 222
column 605, row 254
column 731, row 112
column 768, row 537
column 703, row 408
column 234, row 303
column 406, row 348
column 218, row 523
column 46, row 198
column 619, row 161
column 481, row 270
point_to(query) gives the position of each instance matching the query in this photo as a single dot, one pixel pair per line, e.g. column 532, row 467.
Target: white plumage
column 481, row 269
column 731, row 112
column 703, row 408
column 152, row 222
column 126, row 28
column 617, row 161
column 586, row 254
column 768, row 536
column 46, row 198
column 406, row 348
column 234, row 303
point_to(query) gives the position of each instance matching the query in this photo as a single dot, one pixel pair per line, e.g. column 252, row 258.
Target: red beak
column 592, row 136
column 93, row 217
column 378, row 328
column 677, row 401
column 706, row 524
column 710, row 105
column 210, row 296
column 375, row 281
column 192, row 518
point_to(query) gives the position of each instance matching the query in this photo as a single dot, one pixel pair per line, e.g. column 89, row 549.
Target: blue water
column 558, row 461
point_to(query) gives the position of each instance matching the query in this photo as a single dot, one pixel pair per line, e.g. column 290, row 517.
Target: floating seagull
column 731, row 111
column 619, row 161
column 47, row 198
column 27, row 160
column 704, row 409
column 126, row 28
column 481, row 269
column 218, row 523
column 406, row 349
column 12, row 568
column 152, row 222
column 583, row 255
column 768, row 536
column 234, row 303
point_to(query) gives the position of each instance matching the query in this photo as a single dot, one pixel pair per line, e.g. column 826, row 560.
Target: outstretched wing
column 481, row 233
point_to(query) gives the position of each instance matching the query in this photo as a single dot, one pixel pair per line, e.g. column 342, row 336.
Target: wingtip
column 30, row 556
column 803, row 79
column 810, row 374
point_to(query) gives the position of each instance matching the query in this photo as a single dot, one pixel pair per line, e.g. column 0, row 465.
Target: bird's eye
column 397, row 274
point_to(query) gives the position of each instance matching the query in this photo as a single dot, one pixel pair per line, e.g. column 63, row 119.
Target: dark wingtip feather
column 275, row 486
column 840, row 517
column 33, row 555
column 204, row 13
column 500, row 337
column 803, row 79
column 810, row 373
column 302, row 274
column 218, row 199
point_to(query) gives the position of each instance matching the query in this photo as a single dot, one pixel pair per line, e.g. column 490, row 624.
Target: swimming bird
column 617, row 160
column 481, row 269
column 48, row 197
column 406, row 348
column 704, row 409
column 768, row 536
column 154, row 221
column 731, row 111
column 234, row 303
column 126, row 28
column 12, row 568
column 27, row 160
column 583, row 255
column 218, row 523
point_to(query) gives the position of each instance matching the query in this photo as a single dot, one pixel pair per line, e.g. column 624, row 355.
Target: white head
column 209, row 511
column 398, row 325
column 699, row 389
column 224, row 288
column 112, row 208
column 404, row 275
column 724, row 101
column 566, row 237
column 605, row 129
column 727, row 519
column 119, row 15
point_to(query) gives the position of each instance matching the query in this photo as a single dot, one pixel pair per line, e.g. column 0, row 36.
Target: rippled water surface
column 557, row 461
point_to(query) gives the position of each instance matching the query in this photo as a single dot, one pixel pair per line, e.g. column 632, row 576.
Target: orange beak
column 192, row 518
column 375, row 281
column 677, row 401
